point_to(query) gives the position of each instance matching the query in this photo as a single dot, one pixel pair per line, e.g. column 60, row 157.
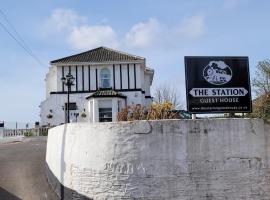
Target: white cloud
column 79, row 34
column 192, row 27
column 63, row 20
column 143, row 34
column 87, row 37
column 154, row 33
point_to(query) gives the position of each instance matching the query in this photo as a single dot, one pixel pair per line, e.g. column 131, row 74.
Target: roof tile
column 106, row 93
column 101, row 54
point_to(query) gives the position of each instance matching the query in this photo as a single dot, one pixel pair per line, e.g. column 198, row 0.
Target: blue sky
column 161, row 31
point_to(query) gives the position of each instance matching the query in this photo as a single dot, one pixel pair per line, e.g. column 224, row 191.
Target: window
column 105, row 78
column 105, row 114
column 72, row 106
column 105, row 110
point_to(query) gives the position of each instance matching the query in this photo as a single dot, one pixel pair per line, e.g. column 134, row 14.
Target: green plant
column 28, row 134
column 83, row 115
column 44, row 132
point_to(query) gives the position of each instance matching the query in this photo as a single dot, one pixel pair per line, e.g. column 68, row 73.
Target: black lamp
column 68, row 81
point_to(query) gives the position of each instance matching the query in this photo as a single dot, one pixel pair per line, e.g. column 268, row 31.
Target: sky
column 162, row 31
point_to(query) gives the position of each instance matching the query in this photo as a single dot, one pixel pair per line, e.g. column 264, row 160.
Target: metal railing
column 25, row 132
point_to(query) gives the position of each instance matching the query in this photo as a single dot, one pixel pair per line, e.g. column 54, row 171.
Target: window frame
column 106, row 72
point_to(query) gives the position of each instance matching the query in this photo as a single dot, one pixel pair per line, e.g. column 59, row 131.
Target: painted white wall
column 1, row 132
column 55, row 102
column 102, row 103
column 54, row 83
column 166, row 159
column 131, row 76
column 51, row 81
column 147, row 84
column 138, row 76
column 117, row 76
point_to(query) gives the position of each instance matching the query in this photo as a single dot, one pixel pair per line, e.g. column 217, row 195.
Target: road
column 22, row 174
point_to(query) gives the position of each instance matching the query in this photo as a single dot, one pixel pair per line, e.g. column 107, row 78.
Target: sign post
column 217, row 84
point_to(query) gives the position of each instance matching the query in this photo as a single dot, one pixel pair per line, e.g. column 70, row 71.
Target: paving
column 22, row 174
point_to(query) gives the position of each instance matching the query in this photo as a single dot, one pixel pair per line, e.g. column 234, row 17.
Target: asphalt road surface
column 22, row 174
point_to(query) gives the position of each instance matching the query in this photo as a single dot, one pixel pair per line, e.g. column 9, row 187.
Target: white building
column 106, row 80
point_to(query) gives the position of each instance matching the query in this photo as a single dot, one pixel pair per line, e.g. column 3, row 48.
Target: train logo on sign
column 217, row 73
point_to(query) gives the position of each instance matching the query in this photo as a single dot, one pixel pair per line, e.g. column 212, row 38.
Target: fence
column 25, row 132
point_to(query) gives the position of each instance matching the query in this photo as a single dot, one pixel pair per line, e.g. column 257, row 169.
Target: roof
column 101, row 54
column 106, row 93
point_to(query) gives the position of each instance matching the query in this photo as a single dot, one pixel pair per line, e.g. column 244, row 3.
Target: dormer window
column 105, row 78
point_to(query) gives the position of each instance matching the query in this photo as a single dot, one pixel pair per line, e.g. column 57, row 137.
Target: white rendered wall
column 56, row 103
column 51, row 81
column 168, row 159
column 147, row 84
column 96, row 104
column 1, row 132
column 54, row 83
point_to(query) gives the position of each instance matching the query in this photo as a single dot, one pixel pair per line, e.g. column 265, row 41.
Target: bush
column 28, row 134
column 161, row 111
column 44, row 132
column 83, row 115
column 261, row 108
column 154, row 112
column 130, row 113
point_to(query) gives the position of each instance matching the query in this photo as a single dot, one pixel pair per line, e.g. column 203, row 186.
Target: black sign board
column 217, row 84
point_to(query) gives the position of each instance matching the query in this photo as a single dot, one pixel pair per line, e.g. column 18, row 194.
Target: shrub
column 154, row 112
column 44, row 132
column 161, row 111
column 28, row 134
column 261, row 108
column 83, row 115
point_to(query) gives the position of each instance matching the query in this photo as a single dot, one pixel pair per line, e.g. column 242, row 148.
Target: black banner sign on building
column 217, row 84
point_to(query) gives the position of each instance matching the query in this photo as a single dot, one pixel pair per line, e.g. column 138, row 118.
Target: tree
column 261, row 84
column 165, row 93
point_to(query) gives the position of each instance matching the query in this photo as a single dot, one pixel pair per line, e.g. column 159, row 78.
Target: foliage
column 130, row 113
column 83, row 115
column 161, row 111
column 28, row 133
column 261, row 107
column 166, row 93
column 123, row 115
column 154, row 112
column 261, row 85
column 261, row 82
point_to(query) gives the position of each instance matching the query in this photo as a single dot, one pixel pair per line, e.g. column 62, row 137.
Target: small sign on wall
column 217, row 84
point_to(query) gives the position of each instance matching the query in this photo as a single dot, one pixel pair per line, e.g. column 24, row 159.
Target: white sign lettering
column 218, row 92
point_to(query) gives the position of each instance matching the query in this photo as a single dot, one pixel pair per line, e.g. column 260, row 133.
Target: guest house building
column 106, row 81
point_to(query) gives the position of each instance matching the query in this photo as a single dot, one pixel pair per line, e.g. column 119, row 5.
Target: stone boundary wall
column 208, row 159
